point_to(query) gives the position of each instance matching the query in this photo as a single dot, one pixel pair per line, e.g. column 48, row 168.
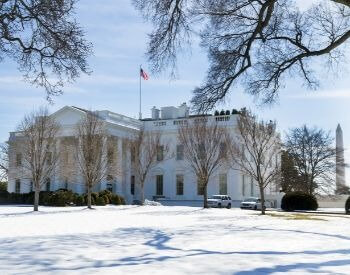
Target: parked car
column 220, row 201
column 251, row 203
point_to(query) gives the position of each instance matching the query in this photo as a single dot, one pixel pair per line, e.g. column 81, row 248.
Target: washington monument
column 340, row 163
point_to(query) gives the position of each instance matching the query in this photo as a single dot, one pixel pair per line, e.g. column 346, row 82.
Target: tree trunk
column 205, row 195
column 262, row 197
column 36, row 199
column 89, row 197
column 142, row 194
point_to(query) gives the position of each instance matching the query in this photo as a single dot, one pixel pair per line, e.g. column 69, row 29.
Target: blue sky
column 119, row 35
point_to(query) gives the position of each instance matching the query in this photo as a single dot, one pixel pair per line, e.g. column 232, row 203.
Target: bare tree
column 4, row 161
column 45, row 40
column 90, row 151
column 314, row 156
column 255, row 151
column 39, row 151
column 256, row 43
column 204, row 150
column 147, row 150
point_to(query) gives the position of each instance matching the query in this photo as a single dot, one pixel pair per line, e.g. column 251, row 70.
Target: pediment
column 68, row 115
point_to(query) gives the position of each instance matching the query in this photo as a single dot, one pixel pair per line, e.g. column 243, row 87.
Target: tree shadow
column 61, row 210
column 54, row 253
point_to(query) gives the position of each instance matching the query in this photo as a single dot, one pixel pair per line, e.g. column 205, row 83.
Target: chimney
column 155, row 113
column 183, row 110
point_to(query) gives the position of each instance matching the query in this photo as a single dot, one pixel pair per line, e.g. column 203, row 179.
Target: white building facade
column 171, row 180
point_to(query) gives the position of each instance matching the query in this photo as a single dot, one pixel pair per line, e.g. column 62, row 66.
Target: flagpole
column 140, row 114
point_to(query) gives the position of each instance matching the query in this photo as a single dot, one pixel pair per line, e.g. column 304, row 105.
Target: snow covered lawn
column 170, row 240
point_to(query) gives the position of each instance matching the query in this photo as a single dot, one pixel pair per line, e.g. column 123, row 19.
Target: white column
column 127, row 172
column 56, row 176
column 119, row 174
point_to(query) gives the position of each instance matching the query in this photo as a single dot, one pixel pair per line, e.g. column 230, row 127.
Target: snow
column 152, row 203
column 169, row 240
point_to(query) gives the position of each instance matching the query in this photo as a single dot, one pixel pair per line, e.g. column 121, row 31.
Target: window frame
column 180, row 152
column 180, row 184
column 159, row 185
column 200, row 188
column 160, row 153
column 18, row 186
column 132, row 185
column 18, row 159
column 221, row 188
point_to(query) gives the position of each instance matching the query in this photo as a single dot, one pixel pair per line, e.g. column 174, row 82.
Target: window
column 159, row 183
column 65, row 183
column 109, row 185
column 251, row 187
column 223, row 149
column 179, row 185
column 31, row 186
column 18, row 159
column 160, row 154
column 48, row 158
column 252, row 159
column 110, row 155
column 201, row 151
column 200, row 187
column 132, row 154
column 223, row 184
column 48, row 184
column 66, row 157
column 159, row 123
column 132, row 185
column 180, row 152
column 243, row 185
column 18, row 186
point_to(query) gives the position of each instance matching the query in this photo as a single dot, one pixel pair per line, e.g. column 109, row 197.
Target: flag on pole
column 143, row 74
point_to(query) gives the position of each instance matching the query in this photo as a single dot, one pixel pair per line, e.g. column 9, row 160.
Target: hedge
column 298, row 201
column 347, row 206
column 61, row 197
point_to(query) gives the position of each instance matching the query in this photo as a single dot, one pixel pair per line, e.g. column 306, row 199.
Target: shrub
column 3, row 186
column 44, row 197
column 298, row 201
column 61, row 197
column 107, row 193
column 92, row 199
column 56, row 199
column 100, row 201
column 94, row 196
column 115, row 200
column 79, row 200
column 347, row 206
column 122, row 201
column 3, row 197
column 106, row 199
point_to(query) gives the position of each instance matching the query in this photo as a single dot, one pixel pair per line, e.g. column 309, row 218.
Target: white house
column 172, row 178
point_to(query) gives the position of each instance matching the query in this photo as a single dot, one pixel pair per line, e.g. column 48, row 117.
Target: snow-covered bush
column 152, row 203
column 298, row 201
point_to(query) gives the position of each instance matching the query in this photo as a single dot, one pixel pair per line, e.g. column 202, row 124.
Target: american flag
column 143, row 74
